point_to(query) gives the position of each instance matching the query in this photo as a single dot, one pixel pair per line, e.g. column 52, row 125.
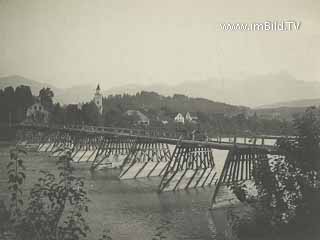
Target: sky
column 115, row 42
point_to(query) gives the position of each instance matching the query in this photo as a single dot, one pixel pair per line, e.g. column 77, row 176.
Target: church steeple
column 98, row 89
column 98, row 99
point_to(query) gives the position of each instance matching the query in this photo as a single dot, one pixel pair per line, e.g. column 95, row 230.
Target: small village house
column 37, row 113
column 179, row 118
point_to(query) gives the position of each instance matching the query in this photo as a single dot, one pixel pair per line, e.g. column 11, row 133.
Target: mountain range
column 261, row 91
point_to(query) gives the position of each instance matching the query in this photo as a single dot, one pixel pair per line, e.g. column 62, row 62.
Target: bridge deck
column 144, row 134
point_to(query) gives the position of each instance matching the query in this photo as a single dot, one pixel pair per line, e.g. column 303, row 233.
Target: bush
column 56, row 204
column 288, row 185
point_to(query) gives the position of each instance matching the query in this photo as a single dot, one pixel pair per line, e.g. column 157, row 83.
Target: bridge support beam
column 238, row 167
column 111, row 152
column 189, row 167
column 29, row 138
column 145, row 159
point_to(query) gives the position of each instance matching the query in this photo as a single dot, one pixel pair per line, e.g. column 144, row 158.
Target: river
column 133, row 209
column 130, row 209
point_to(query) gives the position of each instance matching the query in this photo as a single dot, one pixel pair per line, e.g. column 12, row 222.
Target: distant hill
column 286, row 110
column 267, row 91
column 74, row 94
column 16, row 80
column 252, row 91
column 152, row 100
column 286, row 113
column 155, row 104
column 294, row 104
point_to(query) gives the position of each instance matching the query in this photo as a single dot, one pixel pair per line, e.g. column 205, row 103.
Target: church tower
column 98, row 99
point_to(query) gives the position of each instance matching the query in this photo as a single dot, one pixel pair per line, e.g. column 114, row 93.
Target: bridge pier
column 189, row 167
column 29, row 138
column 111, row 151
column 238, row 167
column 145, row 159
column 48, row 141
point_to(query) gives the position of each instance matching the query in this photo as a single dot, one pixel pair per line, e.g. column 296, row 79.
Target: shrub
column 288, row 185
column 56, row 204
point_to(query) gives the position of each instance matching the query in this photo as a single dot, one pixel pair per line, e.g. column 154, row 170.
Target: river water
column 130, row 209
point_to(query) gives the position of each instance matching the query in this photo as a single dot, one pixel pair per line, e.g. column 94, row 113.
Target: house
column 191, row 118
column 37, row 113
column 179, row 118
column 141, row 119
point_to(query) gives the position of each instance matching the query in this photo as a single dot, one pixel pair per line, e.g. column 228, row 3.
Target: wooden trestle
column 145, row 159
column 189, row 167
column 111, row 150
column 191, row 164
column 239, row 166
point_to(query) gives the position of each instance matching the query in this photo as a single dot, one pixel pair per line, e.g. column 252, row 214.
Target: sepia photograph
column 159, row 120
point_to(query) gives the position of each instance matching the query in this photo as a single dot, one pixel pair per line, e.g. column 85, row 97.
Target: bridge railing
column 262, row 140
column 153, row 132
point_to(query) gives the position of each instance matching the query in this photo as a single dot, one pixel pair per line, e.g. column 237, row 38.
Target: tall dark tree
column 2, row 107
column 23, row 99
column 58, row 114
column 9, row 104
column 46, row 98
column 90, row 113
column 73, row 115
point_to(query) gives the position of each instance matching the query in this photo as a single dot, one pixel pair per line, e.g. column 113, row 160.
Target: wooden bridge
column 142, row 153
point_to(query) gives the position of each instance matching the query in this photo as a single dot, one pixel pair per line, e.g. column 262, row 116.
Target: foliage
column 56, row 205
column 288, row 184
column 14, row 103
column 46, row 98
column 58, row 114
column 90, row 113
column 215, row 118
column 73, row 114
column 16, row 177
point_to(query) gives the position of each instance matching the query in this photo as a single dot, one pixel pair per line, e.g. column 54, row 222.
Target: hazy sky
column 114, row 42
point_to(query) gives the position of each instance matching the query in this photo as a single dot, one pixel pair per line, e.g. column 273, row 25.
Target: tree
column 23, row 99
column 289, row 185
column 46, row 98
column 56, row 206
column 116, row 118
column 73, row 114
column 8, row 98
column 90, row 113
column 58, row 114
column 3, row 115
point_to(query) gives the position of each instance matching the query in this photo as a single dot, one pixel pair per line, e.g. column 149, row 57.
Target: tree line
column 214, row 118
